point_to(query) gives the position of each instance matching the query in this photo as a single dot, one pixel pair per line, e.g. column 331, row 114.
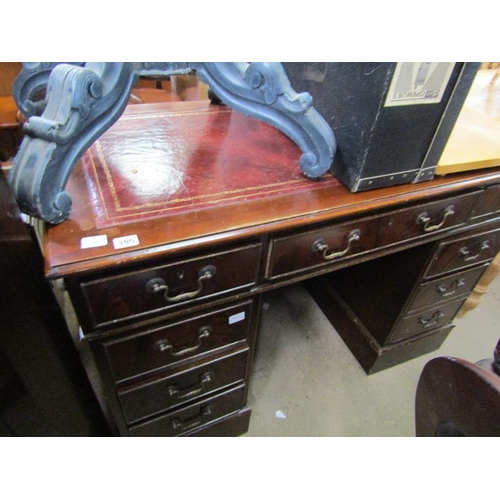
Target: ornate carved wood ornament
column 70, row 105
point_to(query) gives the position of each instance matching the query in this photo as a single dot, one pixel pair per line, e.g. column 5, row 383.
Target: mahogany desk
column 200, row 210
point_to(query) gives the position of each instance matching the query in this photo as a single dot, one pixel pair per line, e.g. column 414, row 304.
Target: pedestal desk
column 185, row 213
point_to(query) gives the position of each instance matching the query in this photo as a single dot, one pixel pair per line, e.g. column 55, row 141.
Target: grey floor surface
column 306, row 382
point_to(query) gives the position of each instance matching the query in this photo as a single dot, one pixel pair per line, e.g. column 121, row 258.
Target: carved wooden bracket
column 70, row 105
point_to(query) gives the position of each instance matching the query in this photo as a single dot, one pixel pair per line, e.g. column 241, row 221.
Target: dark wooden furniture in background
column 457, row 398
column 198, row 226
column 44, row 390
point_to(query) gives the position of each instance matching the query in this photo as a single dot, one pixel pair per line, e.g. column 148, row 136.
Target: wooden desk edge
column 360, row 203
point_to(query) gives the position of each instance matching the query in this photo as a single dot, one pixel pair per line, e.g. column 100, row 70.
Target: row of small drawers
column 206, row 377
column 179, row 365
column 437, row 301
column 112, row 299
column 162, row 374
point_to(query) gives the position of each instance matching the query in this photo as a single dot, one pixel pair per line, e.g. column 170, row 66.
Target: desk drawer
column 330, row 244
column 291, row 254
column 445, row 289
column 426, row 321
column 159, row 288
column 184, row 420
column 174, row 343
column 489, row 204
column 464, row 252
column 162, row 393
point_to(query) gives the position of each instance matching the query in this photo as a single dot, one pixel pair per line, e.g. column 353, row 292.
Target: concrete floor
column 307, row 383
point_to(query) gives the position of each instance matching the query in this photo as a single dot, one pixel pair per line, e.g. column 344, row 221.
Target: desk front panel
column 333, row 243
column 176, row 356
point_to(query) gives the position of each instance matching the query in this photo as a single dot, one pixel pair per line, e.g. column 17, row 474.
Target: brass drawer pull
column 179, row 425
column 425, row 220
column 433, row 320
column 452, row 289
column 189, row 392
column 321, row 246
column 465, row 252
column 156, row 285
column 164, row 345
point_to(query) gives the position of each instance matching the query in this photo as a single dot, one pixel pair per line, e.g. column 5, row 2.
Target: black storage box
column 391, row 120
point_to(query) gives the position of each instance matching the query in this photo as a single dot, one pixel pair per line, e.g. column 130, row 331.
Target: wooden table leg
column 481, row 287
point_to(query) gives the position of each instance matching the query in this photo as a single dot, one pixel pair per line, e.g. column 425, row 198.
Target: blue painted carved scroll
column 262, row 90
column 81, row 103
column 70, row 105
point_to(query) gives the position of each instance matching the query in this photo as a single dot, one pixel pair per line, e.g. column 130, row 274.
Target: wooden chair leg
column 481, row 287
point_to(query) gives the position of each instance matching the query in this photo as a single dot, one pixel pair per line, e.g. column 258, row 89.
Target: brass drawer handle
column 465, row 253
column 164, row 345
column 189, row 392
column 184, row 425
column 321, row 246
column 425, row 220
column 452, row 289
column 433, row 320
column 156, row 285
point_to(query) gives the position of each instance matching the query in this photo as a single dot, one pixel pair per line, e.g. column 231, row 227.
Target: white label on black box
column 235, row 318
column 125, row 241
column 418, row 83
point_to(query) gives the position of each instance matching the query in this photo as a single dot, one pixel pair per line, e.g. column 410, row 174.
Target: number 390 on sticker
column 125, row 241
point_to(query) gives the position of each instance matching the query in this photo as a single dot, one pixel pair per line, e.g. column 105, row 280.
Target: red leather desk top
column 186, row 160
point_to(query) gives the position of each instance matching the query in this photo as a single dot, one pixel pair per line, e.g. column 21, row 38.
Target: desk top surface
column 183, row 176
